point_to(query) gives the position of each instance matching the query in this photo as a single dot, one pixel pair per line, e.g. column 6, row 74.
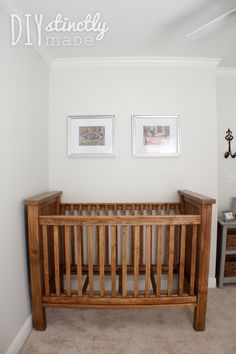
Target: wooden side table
column 224, row 228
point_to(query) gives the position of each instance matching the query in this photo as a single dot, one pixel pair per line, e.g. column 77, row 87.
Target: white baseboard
column 20, row 338
column 212, row 283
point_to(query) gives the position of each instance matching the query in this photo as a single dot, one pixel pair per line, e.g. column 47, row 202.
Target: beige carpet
column 164, row 331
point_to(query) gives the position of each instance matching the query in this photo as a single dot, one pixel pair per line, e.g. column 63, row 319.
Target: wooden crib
column 119, row 255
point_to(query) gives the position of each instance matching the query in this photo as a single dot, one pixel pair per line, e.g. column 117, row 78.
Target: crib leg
column 39, row 317
column 199, row 321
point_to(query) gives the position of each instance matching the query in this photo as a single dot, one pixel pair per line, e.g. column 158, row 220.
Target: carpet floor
column 166, row 331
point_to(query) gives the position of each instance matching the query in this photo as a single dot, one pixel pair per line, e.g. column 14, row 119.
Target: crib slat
column 67, row 256
column 182, row 259
column 106, row 238
column 168, row 209
column 56, row 259
column 132, row 236
column 136, row 259
column 72, row 237
column 193, row 259
column 171, row 260
column 89, row 209
column 79, row 259
column 148, row 260
column 101, row 258
column 124, row 209
column 97, row 230
column 150, row 213
column 80, row 211
column 115, row 214
column 141, row 237
column 167, row 241
column 62, row 209
column 45, row 259
column 113, row 260
column 124, row 260
column 90, row 259
column 177, row 245
column 159, row 259
column 150, row 209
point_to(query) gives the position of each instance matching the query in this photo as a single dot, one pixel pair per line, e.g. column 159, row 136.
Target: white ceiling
column 146, row 27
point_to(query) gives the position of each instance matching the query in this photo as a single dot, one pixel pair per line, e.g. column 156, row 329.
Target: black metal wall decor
column 229, row 137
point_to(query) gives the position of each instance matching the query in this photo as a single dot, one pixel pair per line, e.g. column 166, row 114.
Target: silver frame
column 234, row 205
column 135, row 154
column 71, row 154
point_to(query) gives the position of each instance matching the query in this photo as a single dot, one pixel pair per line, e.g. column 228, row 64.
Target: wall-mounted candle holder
column 229, row 137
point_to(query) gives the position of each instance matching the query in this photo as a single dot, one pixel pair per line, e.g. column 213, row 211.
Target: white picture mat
column 75, row 122
column 169, row 147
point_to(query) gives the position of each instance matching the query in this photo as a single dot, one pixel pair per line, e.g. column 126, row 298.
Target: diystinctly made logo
column 56, row 33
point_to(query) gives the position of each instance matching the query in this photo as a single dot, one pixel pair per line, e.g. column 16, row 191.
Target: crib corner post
column 203, row 258
column 43, row 204
column 36, row 275
column 193, row 203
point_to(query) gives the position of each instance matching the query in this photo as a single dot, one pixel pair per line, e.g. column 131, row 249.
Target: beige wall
column 226, row 104
column 24, row 170
column 190, row 92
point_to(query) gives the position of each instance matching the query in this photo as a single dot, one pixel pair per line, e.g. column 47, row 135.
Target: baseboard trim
column 20, row 338
column 212, row 283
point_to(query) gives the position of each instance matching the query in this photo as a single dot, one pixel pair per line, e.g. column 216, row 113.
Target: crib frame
column 119, row 240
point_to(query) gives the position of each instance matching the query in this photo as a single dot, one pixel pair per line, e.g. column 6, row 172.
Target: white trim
column 135, row 61
column 10, row 8
column 20, row 338
column 212, row 283
column 226, row 72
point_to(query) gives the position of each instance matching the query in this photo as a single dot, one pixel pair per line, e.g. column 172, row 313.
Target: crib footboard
column 119, row 255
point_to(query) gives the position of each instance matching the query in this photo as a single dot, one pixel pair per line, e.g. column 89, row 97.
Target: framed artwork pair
column 152, row 136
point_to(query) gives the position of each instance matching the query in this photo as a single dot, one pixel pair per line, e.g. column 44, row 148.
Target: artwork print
column 155, row 135
column 92, row 136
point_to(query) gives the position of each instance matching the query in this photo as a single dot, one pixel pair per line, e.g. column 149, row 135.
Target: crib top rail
column 121, row 220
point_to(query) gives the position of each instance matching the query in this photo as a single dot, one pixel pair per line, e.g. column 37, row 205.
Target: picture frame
column 91, row 136
column 234, row 205
column 155, row 136
column 228, row 215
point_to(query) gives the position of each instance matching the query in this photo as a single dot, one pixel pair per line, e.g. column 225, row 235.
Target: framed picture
column 228, row 215
column 234, row 205
column 91, row 136
column 155, row 136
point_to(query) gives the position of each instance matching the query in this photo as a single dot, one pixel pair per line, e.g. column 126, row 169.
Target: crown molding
column 135, row 61
column 226, row 72
column 10, row 7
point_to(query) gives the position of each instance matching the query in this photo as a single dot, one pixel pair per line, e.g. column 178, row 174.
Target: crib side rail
column 135, row 238
column 139, row 220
